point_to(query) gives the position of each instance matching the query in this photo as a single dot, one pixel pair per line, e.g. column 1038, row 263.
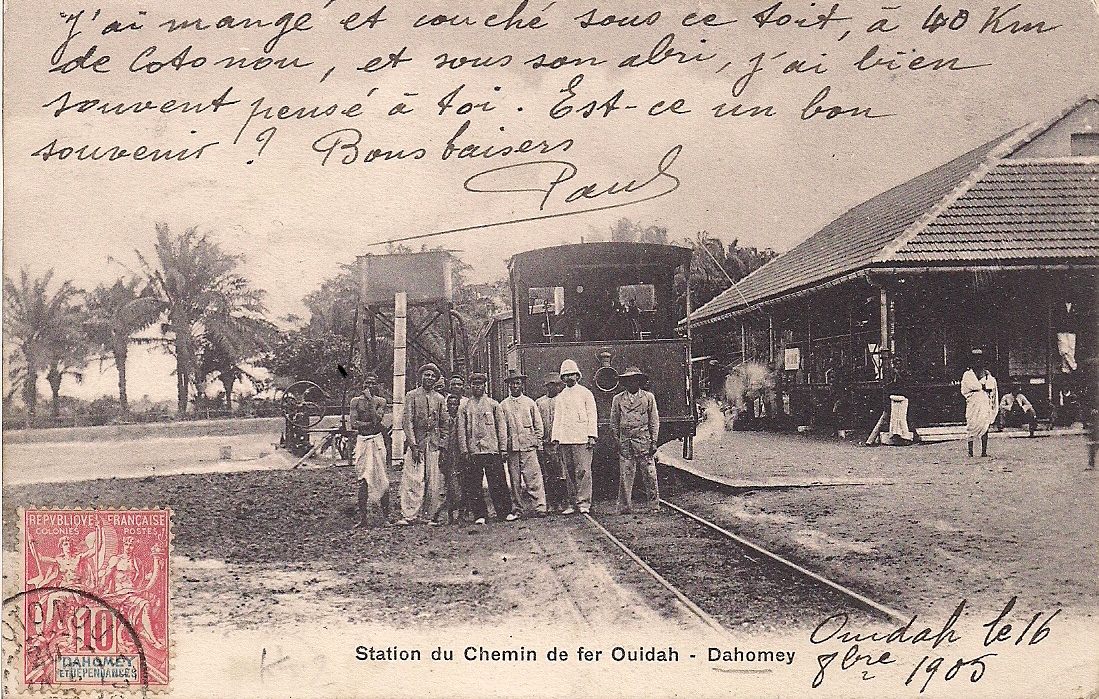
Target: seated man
column 1016, row 410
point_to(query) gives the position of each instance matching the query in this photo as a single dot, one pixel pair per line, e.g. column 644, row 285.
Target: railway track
column 727, row 581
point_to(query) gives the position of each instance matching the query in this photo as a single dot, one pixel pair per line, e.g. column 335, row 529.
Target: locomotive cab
column 606, row 306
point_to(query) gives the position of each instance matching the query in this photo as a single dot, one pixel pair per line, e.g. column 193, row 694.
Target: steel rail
column 845, row 591
column 687, row 602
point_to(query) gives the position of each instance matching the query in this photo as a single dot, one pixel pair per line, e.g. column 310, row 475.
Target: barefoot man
column 370, row 456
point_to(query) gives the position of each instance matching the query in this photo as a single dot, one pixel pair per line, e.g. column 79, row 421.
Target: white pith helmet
column 569, row 367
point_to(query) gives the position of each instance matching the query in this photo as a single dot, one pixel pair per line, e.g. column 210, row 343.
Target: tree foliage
column 307, row 355
column 715, row 267
column 203, row 300
column 334, row 334
column 44, row 329
column 115, row 314
column 225, row 355
column 626, row 231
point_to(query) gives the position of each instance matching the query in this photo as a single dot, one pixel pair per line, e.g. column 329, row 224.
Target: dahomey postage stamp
column 95, row 598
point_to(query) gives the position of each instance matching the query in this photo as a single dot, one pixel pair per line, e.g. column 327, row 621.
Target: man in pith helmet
column 575, row 429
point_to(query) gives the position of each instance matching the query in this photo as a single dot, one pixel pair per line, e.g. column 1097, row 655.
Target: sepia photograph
column 546, row 348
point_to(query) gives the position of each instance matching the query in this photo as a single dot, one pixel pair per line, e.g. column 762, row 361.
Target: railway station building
column 997, row 249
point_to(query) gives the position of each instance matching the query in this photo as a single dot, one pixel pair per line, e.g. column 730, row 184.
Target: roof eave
column 776, row 299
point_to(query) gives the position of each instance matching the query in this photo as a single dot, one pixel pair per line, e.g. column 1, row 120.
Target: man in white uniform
column 575, row 429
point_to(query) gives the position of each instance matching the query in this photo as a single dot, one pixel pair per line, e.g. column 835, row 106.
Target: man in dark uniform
column 482, row 440
column 553, row 474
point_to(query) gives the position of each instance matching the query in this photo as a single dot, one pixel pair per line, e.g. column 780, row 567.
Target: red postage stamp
column 95, row 598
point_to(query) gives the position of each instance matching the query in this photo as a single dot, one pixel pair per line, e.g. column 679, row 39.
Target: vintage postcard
column 543, row 348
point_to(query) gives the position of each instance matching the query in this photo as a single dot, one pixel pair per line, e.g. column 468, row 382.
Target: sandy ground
column 932, row 526
column 274, row 538
column 266, row 563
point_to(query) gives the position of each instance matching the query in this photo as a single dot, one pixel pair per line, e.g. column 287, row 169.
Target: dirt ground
column 252, row 547
column 739, row 588
column 932, row 527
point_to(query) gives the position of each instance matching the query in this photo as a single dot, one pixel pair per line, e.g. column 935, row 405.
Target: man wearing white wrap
column 982, row 401
column 370, row 456
column 421, row 479
column 575, row 429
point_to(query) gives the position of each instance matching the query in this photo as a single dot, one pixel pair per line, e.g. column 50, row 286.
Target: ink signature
column 560, row 192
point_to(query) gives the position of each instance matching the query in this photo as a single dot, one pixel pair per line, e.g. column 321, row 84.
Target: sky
column 767, row 181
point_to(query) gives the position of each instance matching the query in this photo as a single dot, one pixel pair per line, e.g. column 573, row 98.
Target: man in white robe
column 982, row 401
column 421, row 479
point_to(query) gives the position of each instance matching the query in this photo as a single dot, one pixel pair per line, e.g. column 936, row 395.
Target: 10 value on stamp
column 95, row 598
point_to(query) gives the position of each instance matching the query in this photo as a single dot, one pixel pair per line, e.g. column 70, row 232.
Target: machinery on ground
column 304, row 407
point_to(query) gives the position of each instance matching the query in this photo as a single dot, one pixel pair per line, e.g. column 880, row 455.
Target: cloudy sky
column 770, row 181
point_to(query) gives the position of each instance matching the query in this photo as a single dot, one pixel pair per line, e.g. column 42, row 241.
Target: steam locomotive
column 606, row 306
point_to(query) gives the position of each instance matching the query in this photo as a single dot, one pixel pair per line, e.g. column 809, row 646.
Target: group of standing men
column 535, row 456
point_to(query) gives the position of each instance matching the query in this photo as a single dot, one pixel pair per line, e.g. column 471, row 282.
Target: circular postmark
column 86, row 645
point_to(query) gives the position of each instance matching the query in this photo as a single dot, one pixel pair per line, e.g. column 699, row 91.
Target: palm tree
column 67, row 351
column 229, row 344
column 714, row 268
column 39, row 325
column 197, row 289
column 115, row 314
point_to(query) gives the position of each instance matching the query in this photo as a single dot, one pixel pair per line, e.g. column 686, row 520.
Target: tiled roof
column 1020, row 210
column 854, row 239
column 983, row 207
